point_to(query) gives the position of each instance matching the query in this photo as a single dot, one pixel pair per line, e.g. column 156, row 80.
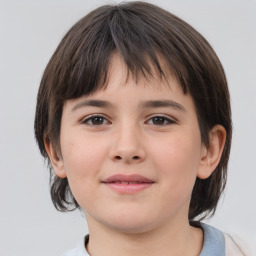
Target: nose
column 127, row 146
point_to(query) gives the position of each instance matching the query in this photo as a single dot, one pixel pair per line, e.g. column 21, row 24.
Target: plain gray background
column 30, row 31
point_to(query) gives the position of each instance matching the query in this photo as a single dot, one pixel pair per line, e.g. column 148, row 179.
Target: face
column 131, row 152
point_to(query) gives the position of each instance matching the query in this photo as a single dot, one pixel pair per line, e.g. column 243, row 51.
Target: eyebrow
column 93, row 103
column 162, row 104
column 144, row 104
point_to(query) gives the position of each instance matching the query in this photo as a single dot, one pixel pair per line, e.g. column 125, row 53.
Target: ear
column 211, row 155
column 56, row 160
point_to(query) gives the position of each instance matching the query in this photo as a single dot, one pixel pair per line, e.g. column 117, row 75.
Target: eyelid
column 88, row 117
column 170, row 120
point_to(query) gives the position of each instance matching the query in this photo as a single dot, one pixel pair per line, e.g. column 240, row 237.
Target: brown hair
column 140, row 32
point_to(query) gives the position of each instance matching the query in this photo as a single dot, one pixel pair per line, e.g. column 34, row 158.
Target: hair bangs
column 88, row 47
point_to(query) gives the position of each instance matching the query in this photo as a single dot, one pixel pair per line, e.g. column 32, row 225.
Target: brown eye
column 160, row 121
column 95, row 120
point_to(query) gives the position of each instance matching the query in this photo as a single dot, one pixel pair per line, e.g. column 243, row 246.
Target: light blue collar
column 214, row 242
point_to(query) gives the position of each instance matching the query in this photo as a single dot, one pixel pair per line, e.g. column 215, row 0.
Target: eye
column 160, row 121
column 95, row 120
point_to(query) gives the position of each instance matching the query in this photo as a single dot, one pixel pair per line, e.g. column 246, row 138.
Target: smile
column 127, row 184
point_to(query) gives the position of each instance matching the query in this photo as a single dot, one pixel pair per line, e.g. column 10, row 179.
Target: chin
column 132, row 224
column 132, row 229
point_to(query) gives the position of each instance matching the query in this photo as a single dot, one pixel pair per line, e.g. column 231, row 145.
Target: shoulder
column 79, row 250
column 219, row 243
column 235, row 246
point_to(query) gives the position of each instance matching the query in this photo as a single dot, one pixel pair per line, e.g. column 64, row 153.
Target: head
column 151, row 42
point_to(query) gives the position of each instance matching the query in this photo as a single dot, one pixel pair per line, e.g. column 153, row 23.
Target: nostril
column 134, row 157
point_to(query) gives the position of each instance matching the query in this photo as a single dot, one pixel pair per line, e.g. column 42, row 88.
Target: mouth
column 126, row 184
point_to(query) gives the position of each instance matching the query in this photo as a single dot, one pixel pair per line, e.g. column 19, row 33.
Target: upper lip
column 127, row 178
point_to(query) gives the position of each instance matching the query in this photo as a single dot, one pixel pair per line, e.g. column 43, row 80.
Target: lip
column 127, row 184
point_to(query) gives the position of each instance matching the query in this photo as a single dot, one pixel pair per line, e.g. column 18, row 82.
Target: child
column 133, row 115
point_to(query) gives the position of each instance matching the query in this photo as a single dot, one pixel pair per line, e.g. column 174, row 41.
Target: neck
column 172, row 239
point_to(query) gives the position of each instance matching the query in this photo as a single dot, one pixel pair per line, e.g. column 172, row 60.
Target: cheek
column 82, row 161
column 82, row 154
column 177, row 161
column 178, row 152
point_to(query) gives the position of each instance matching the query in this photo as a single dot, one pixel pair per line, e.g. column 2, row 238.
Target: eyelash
column 89, row 119
column 167, row 120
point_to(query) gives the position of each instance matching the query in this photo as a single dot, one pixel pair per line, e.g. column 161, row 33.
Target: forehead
column 120, row 75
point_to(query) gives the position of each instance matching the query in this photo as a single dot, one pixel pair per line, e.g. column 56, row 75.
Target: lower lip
column 128, row 188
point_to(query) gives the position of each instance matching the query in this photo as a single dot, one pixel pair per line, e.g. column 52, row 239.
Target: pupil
column 97, row 120
column 158, row 120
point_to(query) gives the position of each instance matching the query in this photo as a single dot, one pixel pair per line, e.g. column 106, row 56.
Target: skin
column 127, row 138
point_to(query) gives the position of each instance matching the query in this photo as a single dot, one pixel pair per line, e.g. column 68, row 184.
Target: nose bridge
column 127, row 143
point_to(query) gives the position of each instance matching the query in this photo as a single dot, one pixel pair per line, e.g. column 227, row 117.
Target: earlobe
column 56, row 160
column 211, row 155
